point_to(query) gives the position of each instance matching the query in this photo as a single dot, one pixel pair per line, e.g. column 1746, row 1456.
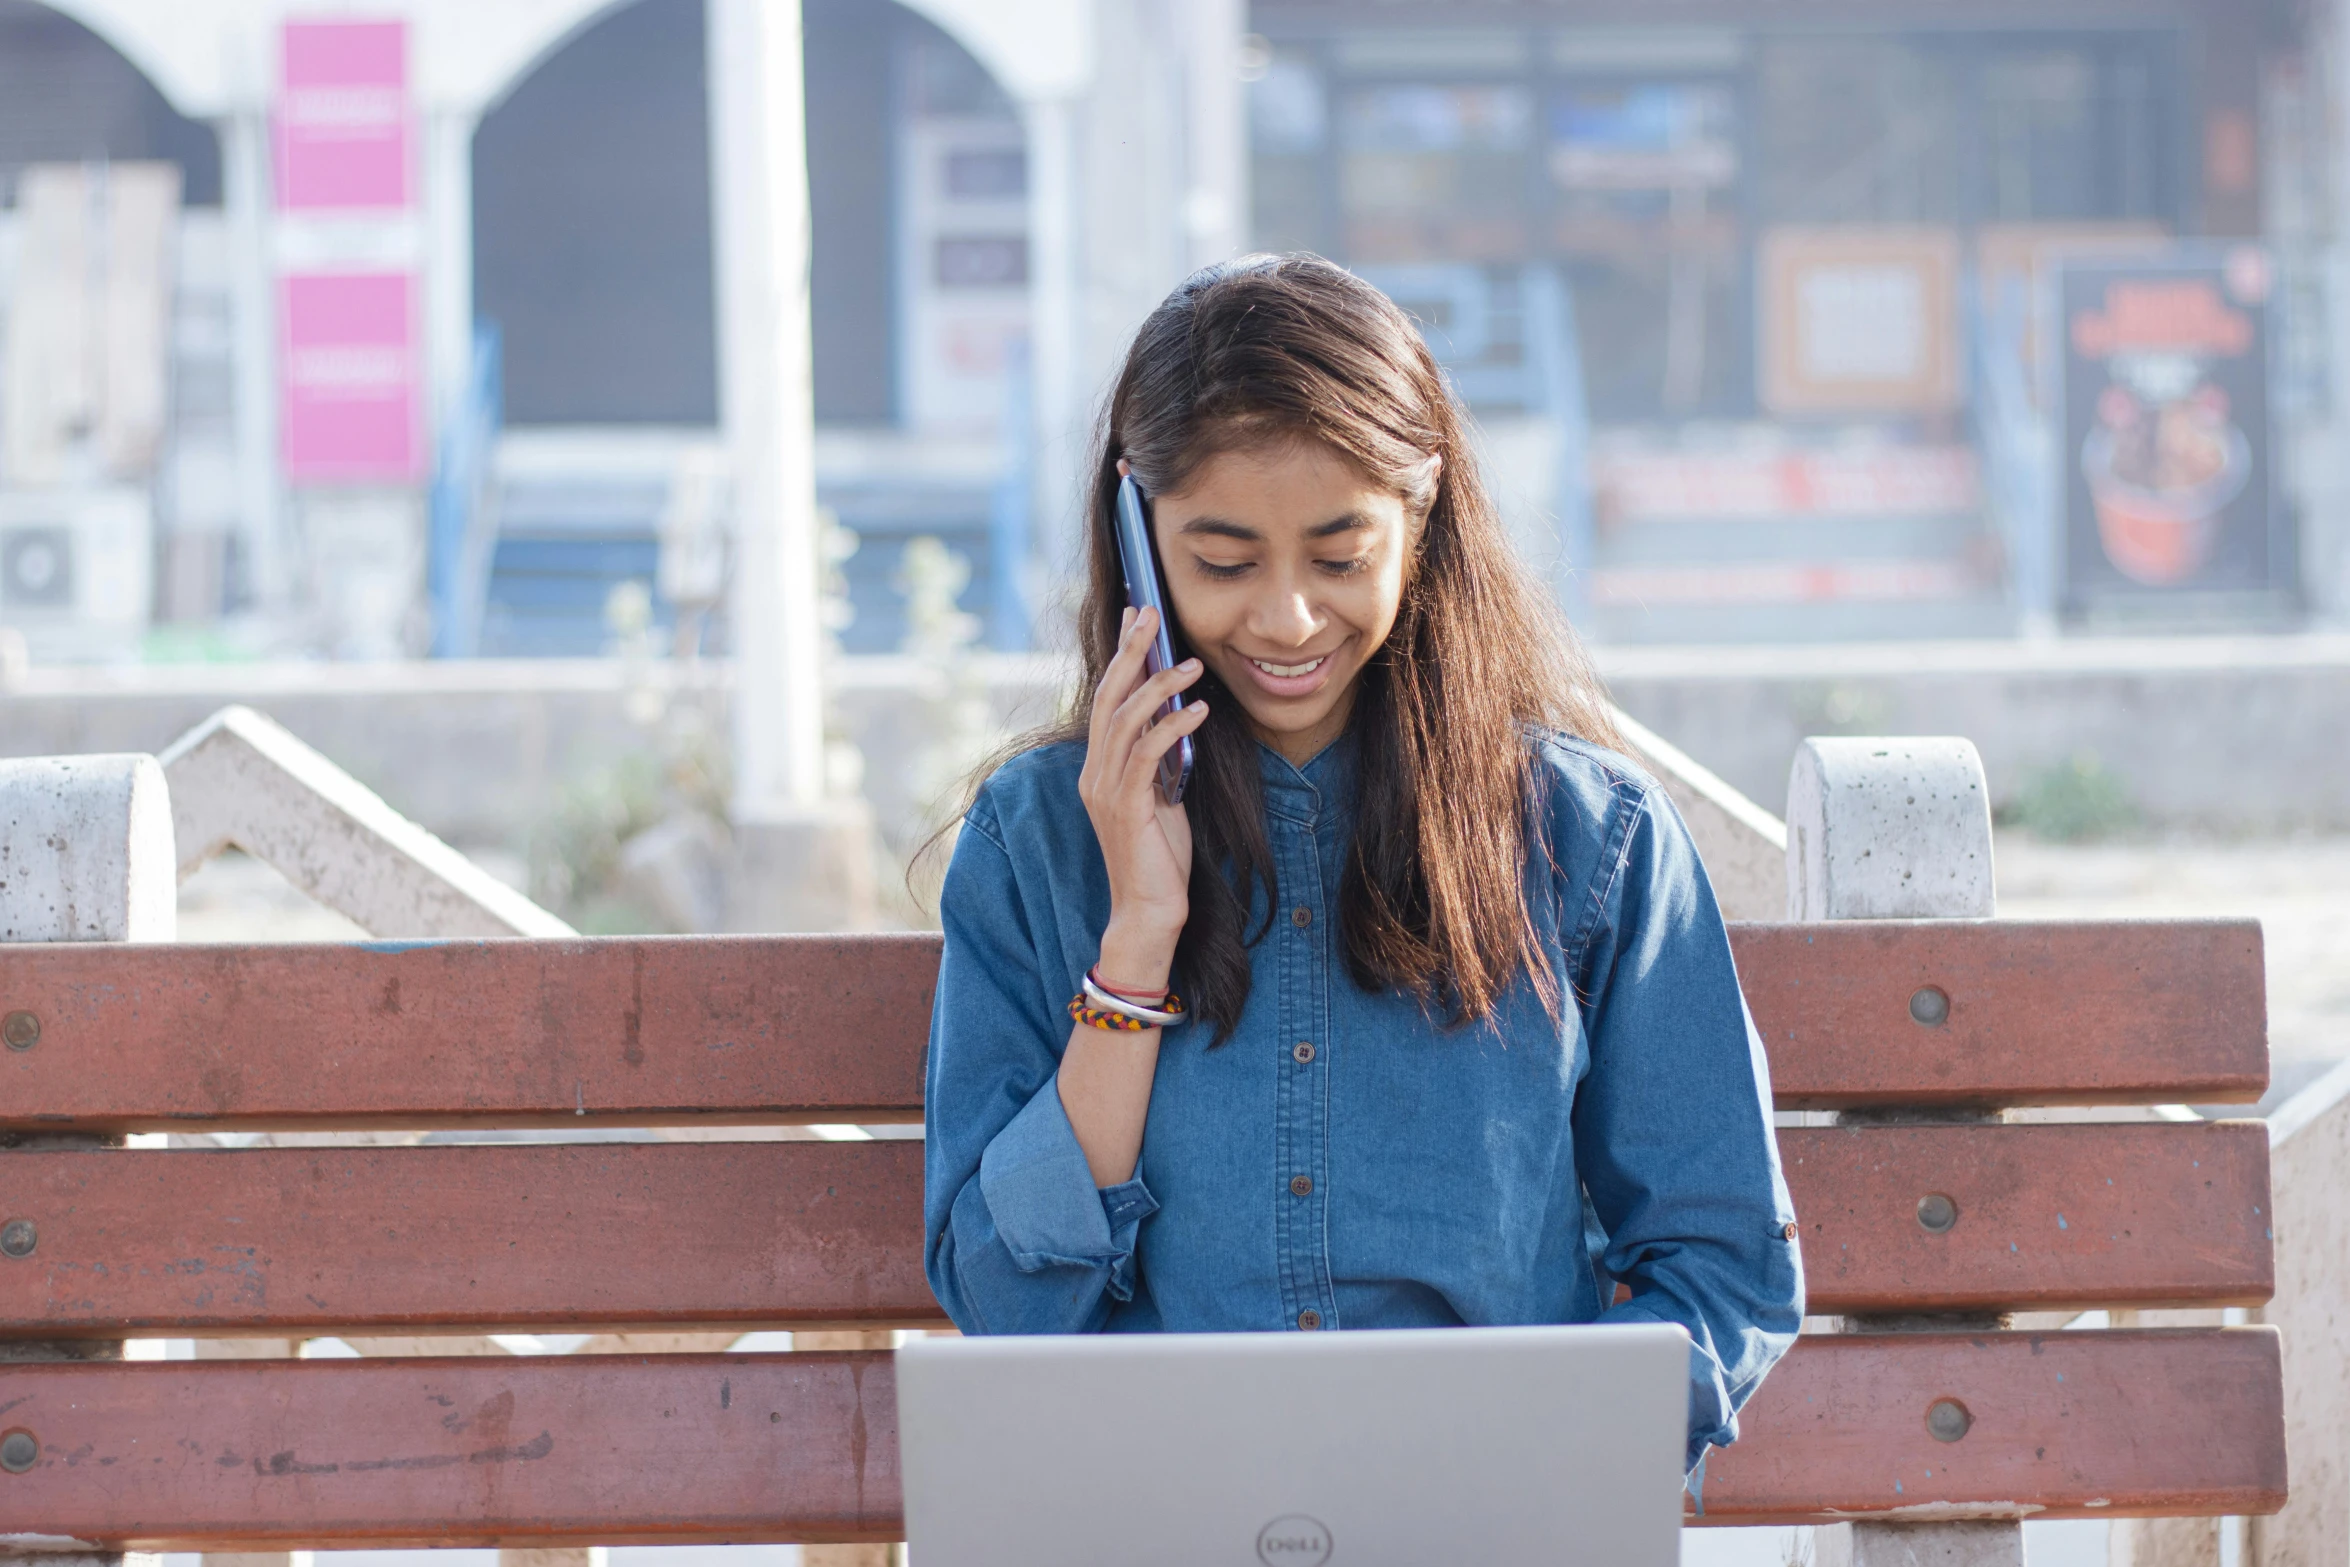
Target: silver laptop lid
column 1430, row 1448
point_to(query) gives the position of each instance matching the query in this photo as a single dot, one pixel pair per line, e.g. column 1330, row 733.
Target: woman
column 1454, row 1035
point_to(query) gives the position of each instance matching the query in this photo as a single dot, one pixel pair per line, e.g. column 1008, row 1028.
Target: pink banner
column 345, row 133
column 351, row 406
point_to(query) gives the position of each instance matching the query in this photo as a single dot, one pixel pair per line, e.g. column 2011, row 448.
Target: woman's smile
column 1292, row 677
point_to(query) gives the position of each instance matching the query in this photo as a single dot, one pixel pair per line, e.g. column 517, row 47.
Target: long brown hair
column 1269, row 350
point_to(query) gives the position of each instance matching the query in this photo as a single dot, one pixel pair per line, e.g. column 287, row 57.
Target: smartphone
column 1146, row 589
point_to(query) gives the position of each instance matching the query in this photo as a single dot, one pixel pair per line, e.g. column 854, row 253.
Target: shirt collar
column 1299, row 794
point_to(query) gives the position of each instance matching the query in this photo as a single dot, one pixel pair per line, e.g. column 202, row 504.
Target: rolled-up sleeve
column 1673, row 1125
column 1019, row 1238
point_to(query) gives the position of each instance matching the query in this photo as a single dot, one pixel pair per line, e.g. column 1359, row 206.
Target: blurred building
column 1752, row 296
column 372, row 336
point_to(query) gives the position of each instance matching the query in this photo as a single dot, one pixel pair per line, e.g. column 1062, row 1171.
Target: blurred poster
column 1859, row 320
column 343, row 121
column 2166, row 442
column 351, row 404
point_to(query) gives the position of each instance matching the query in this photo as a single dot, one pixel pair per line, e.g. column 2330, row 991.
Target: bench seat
column 282, row 1242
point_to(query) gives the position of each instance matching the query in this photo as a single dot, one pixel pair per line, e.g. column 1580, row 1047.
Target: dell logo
column 1293, row 1540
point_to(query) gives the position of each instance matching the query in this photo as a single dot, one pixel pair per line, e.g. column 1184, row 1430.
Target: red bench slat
column 2048, row 1216
column 708, row 1449
column 287, row 1241
column 548, row 1450
column 2054, row 1012
column 645, row 1031
column 292, row 1241
column 2180, row 1421
column 659, row 1030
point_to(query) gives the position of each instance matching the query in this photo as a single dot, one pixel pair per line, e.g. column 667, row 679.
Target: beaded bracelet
column 1158, row 1013
column 1119, row 1022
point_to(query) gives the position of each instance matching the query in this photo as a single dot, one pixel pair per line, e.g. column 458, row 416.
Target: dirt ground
column 2298, row 888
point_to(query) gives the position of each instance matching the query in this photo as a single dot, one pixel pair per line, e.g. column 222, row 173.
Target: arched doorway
column 67, row 96
column 591, row 227
column 918, row 190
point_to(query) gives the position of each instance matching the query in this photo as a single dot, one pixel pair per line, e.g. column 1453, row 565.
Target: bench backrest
column 751, row 1032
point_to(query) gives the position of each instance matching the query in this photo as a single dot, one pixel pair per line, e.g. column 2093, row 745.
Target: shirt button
column 1789, row 1232
column 1301, row 1185
column 1301, row 916
column 1309, row 1319
column 1303, row 1051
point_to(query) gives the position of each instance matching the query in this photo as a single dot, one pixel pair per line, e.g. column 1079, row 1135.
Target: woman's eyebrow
column 1350, row 522
column 1222, row 529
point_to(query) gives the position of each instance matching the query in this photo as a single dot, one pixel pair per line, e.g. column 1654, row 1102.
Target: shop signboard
column 351, row 406
column 343, row 124
column 1859, row 320
column 2166, row 445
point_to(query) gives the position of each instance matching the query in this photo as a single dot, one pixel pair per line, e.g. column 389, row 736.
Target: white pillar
column 1896, row 829
column 804, row 862
column 245, row 194
column 1215, row 199
column 86, row 850
column 1054, row 233
column 448, row 284
column 759, row 178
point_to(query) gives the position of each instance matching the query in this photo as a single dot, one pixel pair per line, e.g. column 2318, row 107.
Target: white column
column 803, row 861
column 448, row 283
column 1215, row 199
column 245, row 193
column 1054, row 232
column 759, row 178
column 86, row 851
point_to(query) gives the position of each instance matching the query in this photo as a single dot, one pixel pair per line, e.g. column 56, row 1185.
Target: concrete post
column 86, row 850
column 2309, row 1154
column 1897, row 829
column 805, row 861
column 1888, row 829
column 85, row 855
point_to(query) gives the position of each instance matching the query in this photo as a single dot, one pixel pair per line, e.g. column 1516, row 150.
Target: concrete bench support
column 241, row 780
column 85, row 855
column 1896, row 829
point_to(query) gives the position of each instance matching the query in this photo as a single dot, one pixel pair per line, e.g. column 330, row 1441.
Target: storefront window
column 1646, row 167
column 1645, row 177
column 1435, row 173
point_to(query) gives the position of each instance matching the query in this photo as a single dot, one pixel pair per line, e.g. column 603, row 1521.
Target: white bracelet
column 1108, row 1001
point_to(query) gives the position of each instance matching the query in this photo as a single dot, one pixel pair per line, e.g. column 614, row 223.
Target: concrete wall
column 2233, row 734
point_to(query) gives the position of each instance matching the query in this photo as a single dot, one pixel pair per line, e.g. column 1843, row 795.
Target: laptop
column 1429, row 1448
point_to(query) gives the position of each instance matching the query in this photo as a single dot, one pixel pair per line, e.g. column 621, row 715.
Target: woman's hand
column 1146, row 843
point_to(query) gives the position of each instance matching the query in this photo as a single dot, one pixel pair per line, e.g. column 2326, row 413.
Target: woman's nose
column 1284, row 617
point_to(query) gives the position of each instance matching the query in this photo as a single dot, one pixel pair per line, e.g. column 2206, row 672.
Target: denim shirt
column 1342, row 1161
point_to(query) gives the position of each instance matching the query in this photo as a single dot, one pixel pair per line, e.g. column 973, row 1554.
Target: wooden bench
column 1898, row 1219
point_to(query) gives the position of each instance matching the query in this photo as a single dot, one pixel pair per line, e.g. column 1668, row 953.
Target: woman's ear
column 1124, row 472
